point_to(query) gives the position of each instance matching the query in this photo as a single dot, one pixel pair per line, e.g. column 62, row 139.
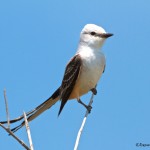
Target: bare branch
column 7, row 111
column 82, row 125
column 14, row 136
column 28, row 131
column 7, row 129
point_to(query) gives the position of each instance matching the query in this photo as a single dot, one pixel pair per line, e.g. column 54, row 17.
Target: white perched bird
column 82, row 73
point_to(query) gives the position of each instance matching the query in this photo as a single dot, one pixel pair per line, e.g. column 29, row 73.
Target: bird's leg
column 88, row 107
column 94, row 91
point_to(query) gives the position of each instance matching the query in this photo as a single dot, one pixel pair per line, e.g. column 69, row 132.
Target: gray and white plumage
column 82, row 73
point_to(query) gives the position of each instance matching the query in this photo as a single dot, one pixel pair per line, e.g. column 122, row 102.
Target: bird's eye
column 93, row 33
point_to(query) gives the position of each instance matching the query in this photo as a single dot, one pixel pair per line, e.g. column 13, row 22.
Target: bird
column 81, row 75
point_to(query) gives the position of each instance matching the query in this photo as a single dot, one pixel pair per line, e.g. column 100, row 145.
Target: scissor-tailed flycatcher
column 82, row 72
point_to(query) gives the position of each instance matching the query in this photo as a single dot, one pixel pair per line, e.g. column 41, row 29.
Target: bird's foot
column 88, row 107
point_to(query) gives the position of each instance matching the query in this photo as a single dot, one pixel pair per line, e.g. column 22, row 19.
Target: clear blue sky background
column 38, row 37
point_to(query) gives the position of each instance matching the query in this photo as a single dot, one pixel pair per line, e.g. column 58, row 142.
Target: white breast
column 93, row 63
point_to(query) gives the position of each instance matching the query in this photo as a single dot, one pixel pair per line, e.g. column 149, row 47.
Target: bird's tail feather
column 37, row 111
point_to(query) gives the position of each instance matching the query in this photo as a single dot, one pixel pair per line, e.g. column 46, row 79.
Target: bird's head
column 93, row 36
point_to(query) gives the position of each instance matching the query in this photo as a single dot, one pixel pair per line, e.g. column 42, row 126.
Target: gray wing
column 70, row 77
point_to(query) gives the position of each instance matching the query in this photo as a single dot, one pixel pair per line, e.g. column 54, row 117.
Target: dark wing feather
column 70, row 77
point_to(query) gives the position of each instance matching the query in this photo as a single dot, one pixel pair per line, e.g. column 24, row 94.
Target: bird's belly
column 88, row 78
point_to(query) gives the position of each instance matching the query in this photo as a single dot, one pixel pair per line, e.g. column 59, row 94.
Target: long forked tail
column 37, row 111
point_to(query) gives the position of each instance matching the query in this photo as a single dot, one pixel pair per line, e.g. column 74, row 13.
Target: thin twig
column 8, row 122
column 7, row 112
column 82, row 125
column 14, row 136
column 28, row 131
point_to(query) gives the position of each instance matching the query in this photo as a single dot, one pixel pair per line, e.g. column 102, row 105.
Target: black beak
column 106, row 35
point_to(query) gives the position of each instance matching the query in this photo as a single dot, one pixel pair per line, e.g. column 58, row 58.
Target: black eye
column 93, row 33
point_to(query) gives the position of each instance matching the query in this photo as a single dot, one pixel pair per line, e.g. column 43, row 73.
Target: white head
column 93, row 36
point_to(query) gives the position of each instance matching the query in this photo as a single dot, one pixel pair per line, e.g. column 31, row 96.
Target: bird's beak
column 106, row 35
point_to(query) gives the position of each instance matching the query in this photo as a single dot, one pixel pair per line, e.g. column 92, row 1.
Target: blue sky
column 37, row 38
